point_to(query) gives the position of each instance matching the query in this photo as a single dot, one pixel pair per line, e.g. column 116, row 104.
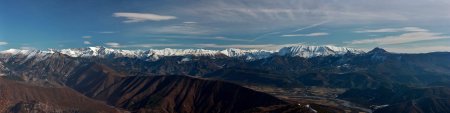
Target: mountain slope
column 421, row 105
column 21, row 97
column 402, row 99
column 167, row 93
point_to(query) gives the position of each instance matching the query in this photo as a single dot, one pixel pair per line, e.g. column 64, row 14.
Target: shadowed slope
column 167, row 93
column 20, row 97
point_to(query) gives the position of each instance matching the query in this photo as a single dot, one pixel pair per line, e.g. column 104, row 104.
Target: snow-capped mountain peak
column 100, row 52
column 16, row 51
column 314, row 51
column 249, row 54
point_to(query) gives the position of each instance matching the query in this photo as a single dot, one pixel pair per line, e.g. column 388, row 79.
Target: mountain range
column 199, row 80
column 154, row 54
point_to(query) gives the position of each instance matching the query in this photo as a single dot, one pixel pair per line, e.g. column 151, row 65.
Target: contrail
column 311, row 26
column 263, row 35
column 303, row 28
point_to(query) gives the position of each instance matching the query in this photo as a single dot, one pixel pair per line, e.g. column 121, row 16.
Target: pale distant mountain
column 314, row 51
column 154, row 54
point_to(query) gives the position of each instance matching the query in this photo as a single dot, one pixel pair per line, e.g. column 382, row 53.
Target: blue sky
column 399, row 26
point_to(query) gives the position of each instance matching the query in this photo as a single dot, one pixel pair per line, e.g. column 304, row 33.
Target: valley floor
column 314, row 95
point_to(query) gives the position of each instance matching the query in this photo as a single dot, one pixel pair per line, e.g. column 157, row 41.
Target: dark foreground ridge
column 167, row 93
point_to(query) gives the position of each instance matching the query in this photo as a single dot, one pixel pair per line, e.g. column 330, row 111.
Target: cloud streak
column 153, row 45
column 107, row 32
column 86, row 42
column 118, row 45
column 182, row 29
column 86, row 37
column 201, row 38
column 264, row 35
column 246, row 46
column 113, row 44
column 189, row 22
column 229, row 39
column 299, row 29
column 391, row 30
column 141, row 17
column 311, row 26
column 403, row 38
column 306, row 35
column 208, row 45
column 421, row 49
column 3, row 43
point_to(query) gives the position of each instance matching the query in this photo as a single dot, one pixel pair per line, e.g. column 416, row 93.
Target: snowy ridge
column 155, row 54
column 249, row 54
column 314, row 51
column 23, row 51
column 100, row 52
column 27, row 54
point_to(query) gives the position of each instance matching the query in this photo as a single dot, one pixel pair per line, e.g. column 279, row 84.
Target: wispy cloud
column 242, row 46
column 190, row 22
column 86, row 42
column 265, row 35
column 113, row 44
column 310, row 11
column 3, row 43
column 86, row 37
column 182, row 29
column 229, row 39
column 299, row 29
column 403, row 38
column 117, row 45
column 387, row 30
column 235, row 46
column 27, row 48
column 246, row 46
column 107, row 32
column 419, row 49
column 165, row 37
column 141, row 17
column 306, row 35
column 153, row 45
column 311, row 26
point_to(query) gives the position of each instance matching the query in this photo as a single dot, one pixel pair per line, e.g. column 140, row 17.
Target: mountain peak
column 378, row 50
column 314, row 51
column 96, row 48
